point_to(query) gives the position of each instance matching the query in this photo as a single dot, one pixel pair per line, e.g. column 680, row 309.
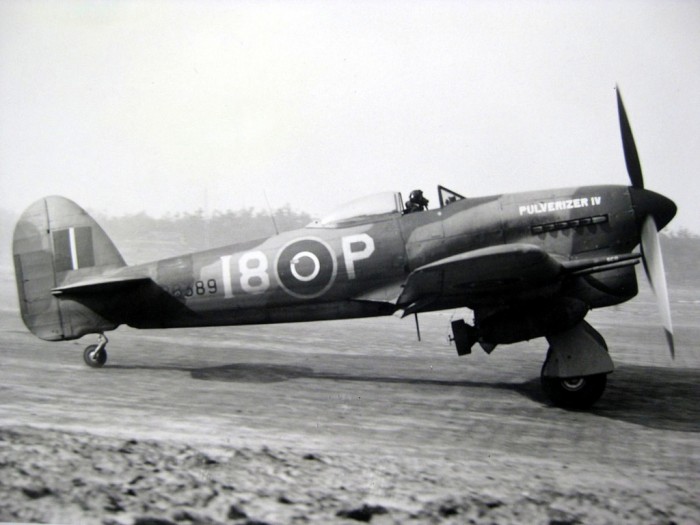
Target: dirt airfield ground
column 347, row 422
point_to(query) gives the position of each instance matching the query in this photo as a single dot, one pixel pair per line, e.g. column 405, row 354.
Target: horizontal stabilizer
column 100, row 285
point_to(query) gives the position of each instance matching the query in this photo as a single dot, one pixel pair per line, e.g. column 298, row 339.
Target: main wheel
column 95, row 359
column 575, row 392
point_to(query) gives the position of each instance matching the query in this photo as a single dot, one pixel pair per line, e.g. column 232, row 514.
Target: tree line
column 141, row 237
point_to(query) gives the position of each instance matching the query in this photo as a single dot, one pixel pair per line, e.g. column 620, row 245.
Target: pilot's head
column 416, row 197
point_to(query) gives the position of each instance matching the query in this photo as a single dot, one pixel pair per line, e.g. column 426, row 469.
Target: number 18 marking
column 254, row 266
column 253, row 269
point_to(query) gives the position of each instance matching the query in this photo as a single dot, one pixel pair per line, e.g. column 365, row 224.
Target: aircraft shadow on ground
column 655, row 397
column 273, row 373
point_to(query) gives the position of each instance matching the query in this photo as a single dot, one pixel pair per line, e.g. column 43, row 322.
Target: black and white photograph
column 302, row 262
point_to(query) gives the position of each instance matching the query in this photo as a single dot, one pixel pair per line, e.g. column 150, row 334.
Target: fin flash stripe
column 73, row 248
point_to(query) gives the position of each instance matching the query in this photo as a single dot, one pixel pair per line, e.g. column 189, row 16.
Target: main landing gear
column 575, row 373
column 95, row 356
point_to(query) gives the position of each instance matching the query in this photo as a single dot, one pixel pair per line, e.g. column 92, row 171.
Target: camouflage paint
column 348, row 269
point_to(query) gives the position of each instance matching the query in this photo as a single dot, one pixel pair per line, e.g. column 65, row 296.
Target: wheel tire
column 94, row 360
column 578, row 392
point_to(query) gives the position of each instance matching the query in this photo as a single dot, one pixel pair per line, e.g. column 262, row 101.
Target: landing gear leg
column 575, row 372
column 95, row 356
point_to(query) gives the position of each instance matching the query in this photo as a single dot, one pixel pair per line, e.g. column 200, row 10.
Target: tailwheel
column 575, row 392
column 95, row 356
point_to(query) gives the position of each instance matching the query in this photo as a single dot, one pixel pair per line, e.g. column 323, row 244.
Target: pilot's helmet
column 417, row 197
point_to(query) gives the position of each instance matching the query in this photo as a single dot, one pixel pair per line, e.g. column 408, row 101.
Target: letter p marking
column 352, row 251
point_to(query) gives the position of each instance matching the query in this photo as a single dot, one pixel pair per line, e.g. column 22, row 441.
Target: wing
column 496, row 274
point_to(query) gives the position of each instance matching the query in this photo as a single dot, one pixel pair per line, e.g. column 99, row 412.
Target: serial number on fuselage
column 210, row 287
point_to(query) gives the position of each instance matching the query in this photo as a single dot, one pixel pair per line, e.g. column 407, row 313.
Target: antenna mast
column 272, row 216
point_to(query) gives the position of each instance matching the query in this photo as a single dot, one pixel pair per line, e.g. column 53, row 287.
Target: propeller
column 634, row 168
column 654, row 266
column 652, row 209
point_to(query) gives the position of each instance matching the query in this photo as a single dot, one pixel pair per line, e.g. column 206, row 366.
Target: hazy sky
column 173, row 106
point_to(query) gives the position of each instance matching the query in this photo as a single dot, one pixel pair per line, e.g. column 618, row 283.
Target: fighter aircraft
column 528, row 265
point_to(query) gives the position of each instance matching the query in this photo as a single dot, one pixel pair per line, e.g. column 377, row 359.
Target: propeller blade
column 634, row 168
column 654, row 266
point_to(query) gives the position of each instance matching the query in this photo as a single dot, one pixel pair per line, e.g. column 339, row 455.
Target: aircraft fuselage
column 356, row 269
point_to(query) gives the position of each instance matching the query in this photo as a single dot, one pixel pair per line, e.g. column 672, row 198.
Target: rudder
column 52, row 238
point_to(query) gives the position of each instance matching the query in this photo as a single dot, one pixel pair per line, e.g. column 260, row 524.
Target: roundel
column 306, row 268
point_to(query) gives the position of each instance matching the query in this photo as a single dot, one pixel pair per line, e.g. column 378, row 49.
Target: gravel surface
column 65, row 477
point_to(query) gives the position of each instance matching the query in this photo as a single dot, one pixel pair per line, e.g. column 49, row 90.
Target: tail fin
column 54, row 240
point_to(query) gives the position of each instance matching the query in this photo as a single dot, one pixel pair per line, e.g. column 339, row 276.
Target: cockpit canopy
column 447, row 196
column 374, row 206
column 357, row 210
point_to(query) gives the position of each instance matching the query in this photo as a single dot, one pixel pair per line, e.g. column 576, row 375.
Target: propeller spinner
column 653, row 212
